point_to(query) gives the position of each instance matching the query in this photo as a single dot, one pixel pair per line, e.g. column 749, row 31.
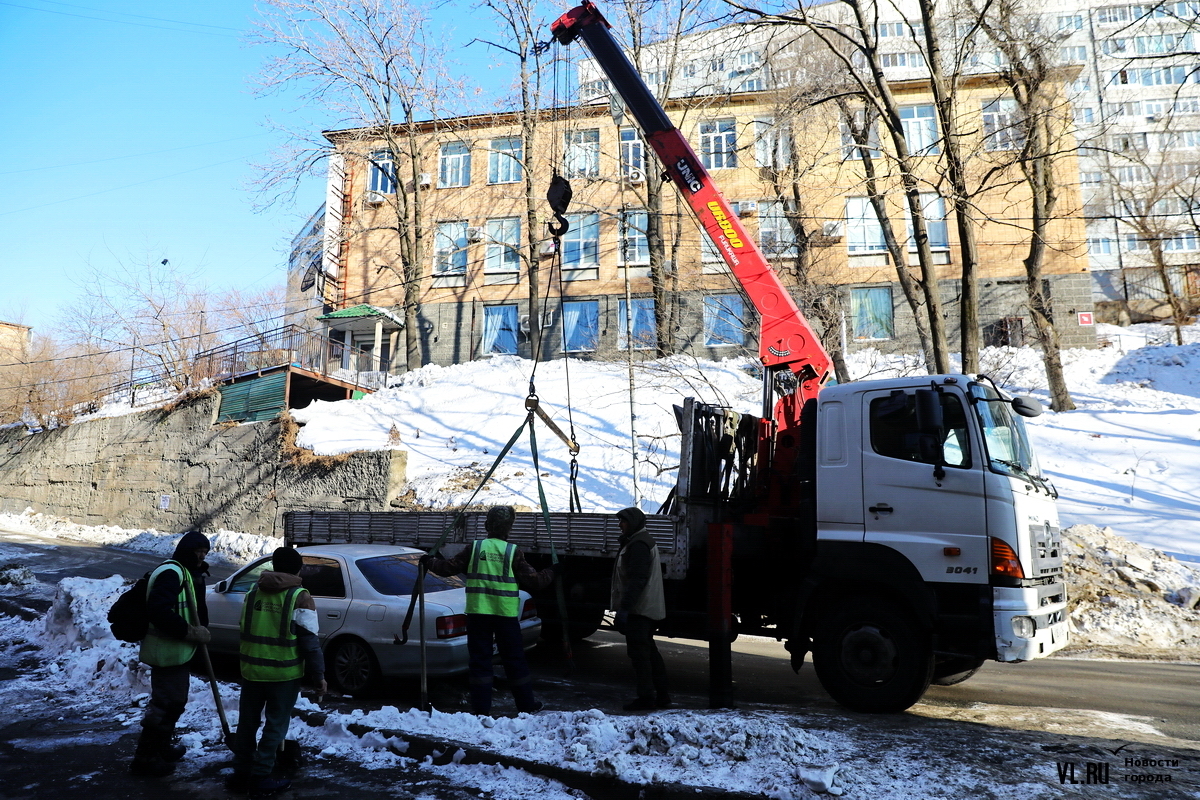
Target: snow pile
column 228, row 546
column 1129, row 599
column 77, row 640
column 766, row 751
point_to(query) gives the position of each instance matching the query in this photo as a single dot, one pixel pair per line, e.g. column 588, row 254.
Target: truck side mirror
column 1027, row 406
column 929, row 412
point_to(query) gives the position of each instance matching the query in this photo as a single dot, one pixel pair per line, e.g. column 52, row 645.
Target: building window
column 503, row 252
column 382, row 179
column 635, row 248
column 920, row 129
column 581, row 153
column 504, row 160
column 723, row 325
column 1001, row 125
column 933, row 209
column 454, row 165
column 1100, row 246
column 1071, row 22
column 772, row 144
column 633, row 154
column 857, row 130
column 709, row 254
column 641, row 314
column 581, row 242
column 499, row 331
column 450, row 247
column 581, row 326
column 907, row 60
column 871, row 313
column 1073, row 54
column 776, row 235
column 718, row 143
column 864, row 234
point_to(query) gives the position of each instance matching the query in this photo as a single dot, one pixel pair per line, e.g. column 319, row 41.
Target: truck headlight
column 1024, row 627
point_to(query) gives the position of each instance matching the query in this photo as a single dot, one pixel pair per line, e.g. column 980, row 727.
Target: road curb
column 442, row 751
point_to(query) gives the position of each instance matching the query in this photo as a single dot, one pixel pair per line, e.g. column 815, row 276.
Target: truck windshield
column 1004, row 436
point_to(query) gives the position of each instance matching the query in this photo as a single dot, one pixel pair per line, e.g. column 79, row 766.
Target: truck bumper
column 1029, row 622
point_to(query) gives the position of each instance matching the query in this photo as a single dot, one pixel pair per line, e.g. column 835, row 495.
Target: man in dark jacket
column 637, row 598
column 279, row 646
column 178, row 616
column 496, row 571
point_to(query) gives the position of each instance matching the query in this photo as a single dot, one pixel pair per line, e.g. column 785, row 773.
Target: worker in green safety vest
column 496, row 572
column 279, row 646
column 178, row 615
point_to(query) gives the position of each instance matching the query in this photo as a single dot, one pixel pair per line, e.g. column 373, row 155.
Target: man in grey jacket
column 637, row 598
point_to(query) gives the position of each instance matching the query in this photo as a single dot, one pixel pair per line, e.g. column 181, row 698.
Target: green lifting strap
column 419, row 585
column 558, row 584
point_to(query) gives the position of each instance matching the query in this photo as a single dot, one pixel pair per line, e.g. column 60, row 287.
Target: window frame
column 502, row 253
column 645, row 334
column 859, row 312
column 454, row 164
column 724, row 313
column 505, row 163
column 718, row 143
column 581, row 153
column 457, row 250
column 507, row 324
column 586, row 344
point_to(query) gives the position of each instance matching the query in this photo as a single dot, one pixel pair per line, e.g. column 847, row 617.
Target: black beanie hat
column 287, row 559
column 499, row 520
column 193, row 540
column 633, row 517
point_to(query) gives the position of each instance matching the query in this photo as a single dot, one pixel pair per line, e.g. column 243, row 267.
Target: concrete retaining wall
column 124, row 470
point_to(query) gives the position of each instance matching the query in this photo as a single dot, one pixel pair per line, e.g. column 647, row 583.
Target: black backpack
column 127, row 617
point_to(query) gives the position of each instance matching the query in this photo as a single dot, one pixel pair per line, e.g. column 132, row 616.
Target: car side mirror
column 221, row 587
column 1027, row 406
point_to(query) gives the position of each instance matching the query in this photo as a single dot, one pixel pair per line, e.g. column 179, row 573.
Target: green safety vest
column 268, row 648
column 164, row 651
column 491, row 583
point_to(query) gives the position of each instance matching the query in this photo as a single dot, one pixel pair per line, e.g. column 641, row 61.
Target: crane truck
column 900, row 531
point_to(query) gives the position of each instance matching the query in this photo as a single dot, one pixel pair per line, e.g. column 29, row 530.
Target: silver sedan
column 362, row 593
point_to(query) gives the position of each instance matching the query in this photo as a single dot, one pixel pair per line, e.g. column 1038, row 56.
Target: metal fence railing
column 293, row 346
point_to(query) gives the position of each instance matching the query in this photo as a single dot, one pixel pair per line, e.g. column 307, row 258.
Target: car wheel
column 873, row 657
column 353, row 667
column 954, row 671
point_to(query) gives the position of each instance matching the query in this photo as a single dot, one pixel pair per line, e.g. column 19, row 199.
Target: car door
column 326, row 580
column 225, row 608
column 927, row 514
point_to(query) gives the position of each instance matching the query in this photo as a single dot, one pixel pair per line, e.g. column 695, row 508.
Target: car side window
column 247, row 580
column 894, row 431
column 323, row 577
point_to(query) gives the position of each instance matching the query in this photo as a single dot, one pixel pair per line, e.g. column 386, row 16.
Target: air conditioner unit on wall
column 373, row 198
column 547, row 248
column 746, row 207
column 832, row 229
column 475, row 234
column 424, row 180
column 635, row 176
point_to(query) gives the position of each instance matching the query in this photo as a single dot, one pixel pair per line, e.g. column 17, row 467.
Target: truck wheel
column 873, row 657
column 353, row 667
column 953, row 671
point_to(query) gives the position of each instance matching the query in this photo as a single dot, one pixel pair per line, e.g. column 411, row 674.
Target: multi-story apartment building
column 795, row 179
column 1136, row 106
column 14, row 342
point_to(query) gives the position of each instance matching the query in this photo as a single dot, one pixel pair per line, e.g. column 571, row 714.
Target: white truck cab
column 940, row 470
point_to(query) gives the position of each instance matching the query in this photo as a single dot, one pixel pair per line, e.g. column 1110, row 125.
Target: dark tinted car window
column 395, row 575
column 323, row 577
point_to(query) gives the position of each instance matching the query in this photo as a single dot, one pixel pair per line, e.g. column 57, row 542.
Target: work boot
column 537, row 706
column 148, row 758
column 173, row 751
column 269, row 785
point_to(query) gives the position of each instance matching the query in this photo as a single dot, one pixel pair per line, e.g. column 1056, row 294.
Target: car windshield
column 1004, row 436
column 396, row 574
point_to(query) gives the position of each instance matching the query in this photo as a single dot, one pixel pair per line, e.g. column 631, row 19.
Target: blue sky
column 130, row 136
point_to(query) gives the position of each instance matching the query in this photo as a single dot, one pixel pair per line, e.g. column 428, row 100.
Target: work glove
column 198, row 634
column 620, row 621
column 321, row 687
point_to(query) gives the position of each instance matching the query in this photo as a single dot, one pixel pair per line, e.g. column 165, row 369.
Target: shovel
column 212, row 681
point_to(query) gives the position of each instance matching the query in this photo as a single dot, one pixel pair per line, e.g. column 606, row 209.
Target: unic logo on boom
column 689, row 175
column 730, row 234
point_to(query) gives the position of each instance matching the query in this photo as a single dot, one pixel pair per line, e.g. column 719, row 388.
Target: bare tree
column 375, row 68
column 1037, row 134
